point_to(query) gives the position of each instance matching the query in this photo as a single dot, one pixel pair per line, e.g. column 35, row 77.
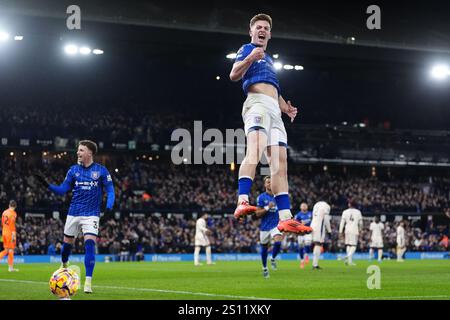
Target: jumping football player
column 87, row 180
column 264, row 127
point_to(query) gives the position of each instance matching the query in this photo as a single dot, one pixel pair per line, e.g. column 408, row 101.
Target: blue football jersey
column 260, row 71
column 304, row 217
column 271, row 218
column 87, row 185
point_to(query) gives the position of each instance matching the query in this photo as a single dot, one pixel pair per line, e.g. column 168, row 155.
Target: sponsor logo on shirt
column 87, row 183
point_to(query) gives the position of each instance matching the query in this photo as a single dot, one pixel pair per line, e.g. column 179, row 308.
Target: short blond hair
column 91, row 145
column 263, row 17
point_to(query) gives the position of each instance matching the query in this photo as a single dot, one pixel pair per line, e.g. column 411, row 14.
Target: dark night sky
column 163, row 69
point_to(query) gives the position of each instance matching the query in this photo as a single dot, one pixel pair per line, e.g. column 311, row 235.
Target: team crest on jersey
column 77, row 174
column 258, row 119
column 95, row 175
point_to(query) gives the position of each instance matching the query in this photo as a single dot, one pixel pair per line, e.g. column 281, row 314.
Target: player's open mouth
column 262, row 37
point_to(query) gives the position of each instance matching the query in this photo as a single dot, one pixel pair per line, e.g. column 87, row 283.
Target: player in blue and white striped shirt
column 87, row 180
column 264, row 127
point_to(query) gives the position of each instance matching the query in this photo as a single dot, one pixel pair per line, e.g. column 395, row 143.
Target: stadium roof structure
column 381, row 75
column 408, row 25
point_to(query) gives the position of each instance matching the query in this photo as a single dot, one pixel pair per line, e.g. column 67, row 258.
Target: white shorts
column 376, row 243
column 262, row 112
column 87, row 225
column 202, row 241
column 318, row 235
column 305, row 240
column 266, row 236
column 351, row 239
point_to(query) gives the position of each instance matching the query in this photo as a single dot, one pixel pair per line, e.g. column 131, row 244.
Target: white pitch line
column 228, row 296
column 155, row 290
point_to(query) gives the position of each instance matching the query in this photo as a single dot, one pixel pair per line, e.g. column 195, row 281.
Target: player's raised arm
column 62, row 188
column 109, row 189
column 244, row 60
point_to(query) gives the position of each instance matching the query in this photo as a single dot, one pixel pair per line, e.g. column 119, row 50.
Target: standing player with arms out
column 320, row 224
column 264, row 126
column 376, row 238
column 87, row 180
column 267, row 209
column 201, row 240
column 304, row 241
column 401, row 242
column 9, row 234
column 351, row 222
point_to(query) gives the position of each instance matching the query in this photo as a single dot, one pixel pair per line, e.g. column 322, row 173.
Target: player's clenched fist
column 257, row 54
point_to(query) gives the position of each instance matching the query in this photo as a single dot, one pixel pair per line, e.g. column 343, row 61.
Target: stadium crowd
column 147, row 185
column 155, row 186
column 128, row 238
column 108, row 123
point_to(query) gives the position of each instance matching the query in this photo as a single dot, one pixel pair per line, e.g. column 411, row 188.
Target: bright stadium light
column 440, row 72
column 85, row 50
column 276, row 56
column 278, row 65
column 288, row 67
column 4, row 36
column 297, row 67
column 71, row 49
column 97, row 51
column 18, row 38
column 232, row 55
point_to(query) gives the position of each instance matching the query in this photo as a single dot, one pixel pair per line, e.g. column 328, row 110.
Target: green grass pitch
column 413, row 279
